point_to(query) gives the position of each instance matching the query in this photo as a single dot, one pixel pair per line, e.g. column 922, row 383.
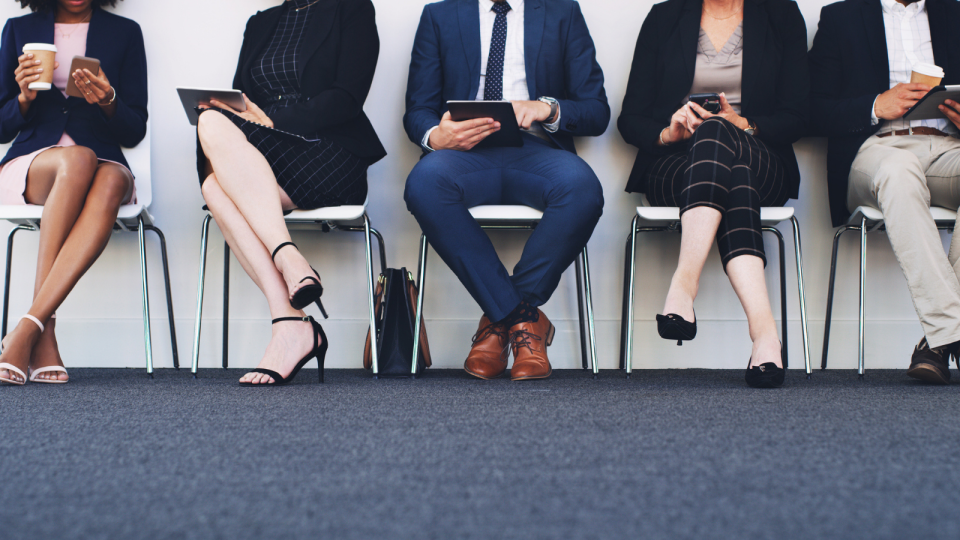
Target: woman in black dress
column 304, row 142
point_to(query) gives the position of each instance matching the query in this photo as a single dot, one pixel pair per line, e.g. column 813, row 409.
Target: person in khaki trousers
column 861, row 64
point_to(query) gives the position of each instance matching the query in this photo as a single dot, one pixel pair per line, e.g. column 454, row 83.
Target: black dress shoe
column 932, row 365
column 675, row 327
column 766, row 375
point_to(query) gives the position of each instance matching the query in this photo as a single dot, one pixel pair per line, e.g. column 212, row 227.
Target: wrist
column 112, row 99
column 662, row 140
column 22, row 99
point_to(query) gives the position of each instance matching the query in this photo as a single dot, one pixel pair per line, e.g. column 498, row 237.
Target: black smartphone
column 709, row 102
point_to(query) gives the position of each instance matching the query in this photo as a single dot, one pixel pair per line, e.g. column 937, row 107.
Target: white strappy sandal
column 34, row 373
column 15, row 369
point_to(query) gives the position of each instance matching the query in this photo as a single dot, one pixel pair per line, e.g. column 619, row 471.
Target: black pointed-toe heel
column 308, row 294
column 319, row 352
column 675, row 327
column 766, row 375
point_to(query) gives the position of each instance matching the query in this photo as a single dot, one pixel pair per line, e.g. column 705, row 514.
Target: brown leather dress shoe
column 932, row 365
column 488, row 356
column 529, row 342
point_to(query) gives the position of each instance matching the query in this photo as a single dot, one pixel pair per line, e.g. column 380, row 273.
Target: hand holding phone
column 710, row 102
column 81, row 63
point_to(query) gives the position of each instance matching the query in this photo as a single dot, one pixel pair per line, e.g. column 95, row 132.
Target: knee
column 710, row 127
column 210, row 125
column 79, row 164
column 900, row 176
column 111, row 184
column 582, row 189
column 211, row 189
column 425, row 185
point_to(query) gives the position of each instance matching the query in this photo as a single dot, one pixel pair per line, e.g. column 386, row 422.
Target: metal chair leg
column 421, row 282
column 863, row 274
column 226, row 304
column 204, row 232
column 631, row 295
column 624, row 306
column 148, row 342
column 383, row 251
column 370, row 301
column 6, row 282
column 166, row 282
column 580, row 316
column 783, row 293
column 830, row 288
column 803, row 298
column 590, row 321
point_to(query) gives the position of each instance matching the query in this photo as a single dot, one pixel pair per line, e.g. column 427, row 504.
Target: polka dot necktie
column 493, row 85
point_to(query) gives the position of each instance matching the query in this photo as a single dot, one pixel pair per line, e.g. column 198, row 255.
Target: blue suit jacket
column 118, row 43
column 560, row 62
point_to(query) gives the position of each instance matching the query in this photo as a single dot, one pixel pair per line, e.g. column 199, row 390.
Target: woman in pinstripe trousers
column 720, row 167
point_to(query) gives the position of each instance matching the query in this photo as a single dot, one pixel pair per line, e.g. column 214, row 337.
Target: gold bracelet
column 112, row 100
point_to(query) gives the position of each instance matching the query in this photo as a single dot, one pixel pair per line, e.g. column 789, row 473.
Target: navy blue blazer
column 118, row 43
column 849, row 68
column 561, row 62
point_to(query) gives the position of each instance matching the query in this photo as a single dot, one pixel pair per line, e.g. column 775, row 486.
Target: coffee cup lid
column 39, row 47
column 929, row 70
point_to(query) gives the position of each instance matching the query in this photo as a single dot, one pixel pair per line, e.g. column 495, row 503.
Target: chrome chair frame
column 582, row 265
column 120, row 226
column 866, row 220
column 627, row 322
column 321, row 225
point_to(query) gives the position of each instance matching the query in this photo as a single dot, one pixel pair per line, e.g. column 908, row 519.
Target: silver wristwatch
column 554, row 108
column 751, row 128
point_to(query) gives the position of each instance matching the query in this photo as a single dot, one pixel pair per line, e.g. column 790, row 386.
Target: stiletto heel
column 319, row 352
column 308, row 294
column 673, row 326
column 766, row 375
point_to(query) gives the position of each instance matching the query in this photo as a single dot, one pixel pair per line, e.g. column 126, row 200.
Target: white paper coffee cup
column 47, row 54
column 927, row 74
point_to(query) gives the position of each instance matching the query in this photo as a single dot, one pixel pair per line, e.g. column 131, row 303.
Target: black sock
column 524, row 312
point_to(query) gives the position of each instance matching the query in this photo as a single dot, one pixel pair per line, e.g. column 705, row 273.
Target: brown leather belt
column 916, row 131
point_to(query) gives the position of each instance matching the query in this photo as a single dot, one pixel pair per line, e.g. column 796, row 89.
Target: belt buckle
column 910, row 130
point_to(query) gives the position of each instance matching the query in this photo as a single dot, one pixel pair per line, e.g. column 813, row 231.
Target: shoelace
column 522, row 338
column 490, row 330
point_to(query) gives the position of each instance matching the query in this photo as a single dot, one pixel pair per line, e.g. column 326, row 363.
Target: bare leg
column 746, row 276
column 247, row 179
column 291, row 340
column 699, row 232
column 86, row 240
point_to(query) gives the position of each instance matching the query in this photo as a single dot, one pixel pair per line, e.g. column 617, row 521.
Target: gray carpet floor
column 666, row 454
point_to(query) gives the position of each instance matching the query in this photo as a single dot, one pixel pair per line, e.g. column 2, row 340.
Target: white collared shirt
column 907, row 30
column 514, row 61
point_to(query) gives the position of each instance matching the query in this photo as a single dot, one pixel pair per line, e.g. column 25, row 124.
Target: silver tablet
column 928, row 107
column 193, row 97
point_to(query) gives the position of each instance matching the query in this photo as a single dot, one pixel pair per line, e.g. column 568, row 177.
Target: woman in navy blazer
column 66, row 156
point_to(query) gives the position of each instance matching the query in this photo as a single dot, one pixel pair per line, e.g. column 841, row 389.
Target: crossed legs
column 81, row 199
column 241, row 192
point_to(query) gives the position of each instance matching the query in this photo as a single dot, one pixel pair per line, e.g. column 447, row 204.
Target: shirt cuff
column 555, row 126
column 425, row 143
column 873, row 112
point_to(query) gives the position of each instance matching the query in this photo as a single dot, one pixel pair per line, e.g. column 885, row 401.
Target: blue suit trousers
column 446, row 184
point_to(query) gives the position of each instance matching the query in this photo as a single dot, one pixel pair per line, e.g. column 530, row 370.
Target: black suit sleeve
column 636, row 123
column 128, row 126
column 343, row 101
column 238, row 76
column 834, row 114
column 789, row 121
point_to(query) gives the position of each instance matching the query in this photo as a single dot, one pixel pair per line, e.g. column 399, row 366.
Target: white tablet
column 928, row 108
column 193, row 97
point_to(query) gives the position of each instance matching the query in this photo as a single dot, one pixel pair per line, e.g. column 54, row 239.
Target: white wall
column 196, row 43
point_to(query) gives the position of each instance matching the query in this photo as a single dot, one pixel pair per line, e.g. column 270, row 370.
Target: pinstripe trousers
column 726, row 169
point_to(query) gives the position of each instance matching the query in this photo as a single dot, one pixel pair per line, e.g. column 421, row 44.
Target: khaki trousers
column 904, row 176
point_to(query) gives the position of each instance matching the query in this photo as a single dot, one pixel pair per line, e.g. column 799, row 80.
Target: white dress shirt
column 907, row 31
column 514, row 62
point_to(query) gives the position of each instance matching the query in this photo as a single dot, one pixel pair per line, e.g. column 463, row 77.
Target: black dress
column 313, row 171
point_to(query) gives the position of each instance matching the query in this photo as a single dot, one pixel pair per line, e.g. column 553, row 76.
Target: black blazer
column 118, row 43
column 336, row 71
column 775, row 80
column 849, row 69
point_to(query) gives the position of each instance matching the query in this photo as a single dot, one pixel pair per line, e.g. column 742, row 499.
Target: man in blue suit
column 537, row 54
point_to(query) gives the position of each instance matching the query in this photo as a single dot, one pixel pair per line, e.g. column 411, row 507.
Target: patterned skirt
column 314, row 173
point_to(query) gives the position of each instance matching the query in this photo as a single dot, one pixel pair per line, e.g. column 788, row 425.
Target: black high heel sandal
column 319, row 352
column 308, row 294
column 673, row 326
column 767, row 374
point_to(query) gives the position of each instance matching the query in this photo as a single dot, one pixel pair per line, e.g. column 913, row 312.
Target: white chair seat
column 664, row 216
column 874, row 216
column 505, row 213
column 29, row 214
column 330, row 213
